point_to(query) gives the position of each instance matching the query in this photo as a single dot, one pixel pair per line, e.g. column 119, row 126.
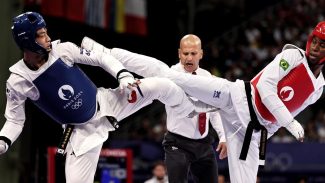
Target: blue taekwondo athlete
column 48, row 76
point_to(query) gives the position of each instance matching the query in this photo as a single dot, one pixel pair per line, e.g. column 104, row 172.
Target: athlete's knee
column 164, row 85
column 157, row 85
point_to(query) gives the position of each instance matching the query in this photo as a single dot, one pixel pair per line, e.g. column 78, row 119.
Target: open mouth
column 313, row 56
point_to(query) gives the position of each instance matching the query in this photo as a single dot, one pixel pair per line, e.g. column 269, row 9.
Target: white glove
column 3, row 146
column 127, row 83
column 296, row 130
column 89, row 44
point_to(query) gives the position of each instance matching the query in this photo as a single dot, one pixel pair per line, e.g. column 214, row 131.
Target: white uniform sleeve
column 70, row 52
column 216, row 123
column 14, row 113
column 267, row 85
column 148, row 67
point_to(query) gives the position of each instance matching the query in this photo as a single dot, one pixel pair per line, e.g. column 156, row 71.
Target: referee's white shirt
column 188, row 127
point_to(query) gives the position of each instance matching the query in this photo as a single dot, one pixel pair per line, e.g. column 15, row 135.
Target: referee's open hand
column 222, row 149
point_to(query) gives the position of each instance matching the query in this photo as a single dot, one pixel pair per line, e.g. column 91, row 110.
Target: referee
column 188, row 144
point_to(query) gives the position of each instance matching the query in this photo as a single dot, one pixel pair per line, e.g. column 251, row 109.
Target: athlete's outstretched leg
column 211, row 90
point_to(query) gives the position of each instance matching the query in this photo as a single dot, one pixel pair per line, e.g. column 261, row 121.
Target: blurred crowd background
column 239, row 38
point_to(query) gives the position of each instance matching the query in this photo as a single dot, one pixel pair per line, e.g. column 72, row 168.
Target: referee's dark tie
column 202, row 118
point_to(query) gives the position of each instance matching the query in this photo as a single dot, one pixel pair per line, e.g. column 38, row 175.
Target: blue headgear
column 24, row 31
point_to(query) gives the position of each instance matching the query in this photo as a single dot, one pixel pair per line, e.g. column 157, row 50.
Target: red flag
column 136, row 17
column 75, row 10
column 52, row 8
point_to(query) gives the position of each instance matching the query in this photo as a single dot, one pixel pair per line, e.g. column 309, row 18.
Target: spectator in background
column 320, row 123
column 221, row 178
column 311, row 131
column 159, row 174
column 282, row 137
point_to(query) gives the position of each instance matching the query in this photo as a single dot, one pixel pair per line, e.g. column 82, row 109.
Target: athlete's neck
column 33, row 60
column 316, row 68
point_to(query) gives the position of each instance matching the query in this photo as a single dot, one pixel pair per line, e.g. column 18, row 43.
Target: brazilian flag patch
column 284, row 64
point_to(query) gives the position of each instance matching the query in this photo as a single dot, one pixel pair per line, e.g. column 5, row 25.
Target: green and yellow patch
column 284, row 64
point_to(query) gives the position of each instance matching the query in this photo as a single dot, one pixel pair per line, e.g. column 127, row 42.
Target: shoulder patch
column 284, row 64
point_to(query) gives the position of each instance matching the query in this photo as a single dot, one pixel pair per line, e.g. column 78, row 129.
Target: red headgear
column 319, row 32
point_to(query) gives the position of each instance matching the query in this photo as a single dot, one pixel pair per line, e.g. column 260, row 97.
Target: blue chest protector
column 66, row 94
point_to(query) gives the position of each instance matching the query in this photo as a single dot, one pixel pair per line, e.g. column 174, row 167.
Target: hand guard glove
column 127, row 82
column 89, row 44
column 296, row 130
column 3, row 146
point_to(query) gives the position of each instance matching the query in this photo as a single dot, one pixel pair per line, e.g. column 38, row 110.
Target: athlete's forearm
column 278, row 110
column 11, row 130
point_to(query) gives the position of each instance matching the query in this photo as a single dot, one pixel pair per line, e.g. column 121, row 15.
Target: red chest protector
column 293, row 90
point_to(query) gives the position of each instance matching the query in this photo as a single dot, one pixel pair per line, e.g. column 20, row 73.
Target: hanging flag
column 122, row 16
column 75, row 10
column 96, row 13
column 136, row 17
column 128, row 16
column 52, row 8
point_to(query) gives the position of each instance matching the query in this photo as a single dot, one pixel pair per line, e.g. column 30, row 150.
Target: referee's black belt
column 253, row 125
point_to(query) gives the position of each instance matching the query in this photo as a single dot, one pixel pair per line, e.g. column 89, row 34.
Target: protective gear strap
column 6, row 140
column 120, row 72
column 12, row 130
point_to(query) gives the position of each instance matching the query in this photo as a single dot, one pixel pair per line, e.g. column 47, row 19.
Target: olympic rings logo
column 77, row 104
column 282, row 161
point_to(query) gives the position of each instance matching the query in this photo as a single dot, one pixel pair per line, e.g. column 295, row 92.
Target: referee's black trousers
column 184, row 155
